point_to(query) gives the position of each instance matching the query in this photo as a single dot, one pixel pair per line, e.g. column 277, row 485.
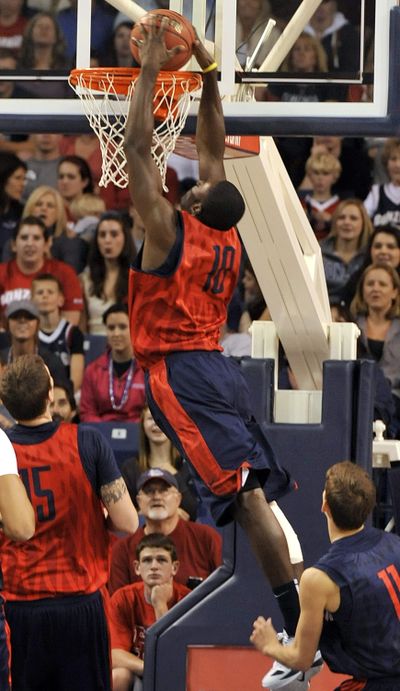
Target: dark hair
column 31, row 221
column 9, row 163
column 96, row 263
column 58, row 53
column 49, row 277
column 6, row 54
column 350, row 494
column 25, row 386
column 116, row 308
column 67, row 387
column 389, row 230
column 157, row 540
column 223, row 207
column 83, row 167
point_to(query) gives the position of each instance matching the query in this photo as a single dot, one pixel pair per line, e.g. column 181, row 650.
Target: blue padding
column 221, row 610
column 122, row 436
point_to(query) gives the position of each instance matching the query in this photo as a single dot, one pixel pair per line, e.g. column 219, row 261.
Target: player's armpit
column 122, row 513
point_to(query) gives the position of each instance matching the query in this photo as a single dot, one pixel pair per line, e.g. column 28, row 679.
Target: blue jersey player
column 350, row 599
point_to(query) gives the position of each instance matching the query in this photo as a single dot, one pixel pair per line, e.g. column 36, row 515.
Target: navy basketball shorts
column 201, row 401
column 59, row 644
column 5, row 681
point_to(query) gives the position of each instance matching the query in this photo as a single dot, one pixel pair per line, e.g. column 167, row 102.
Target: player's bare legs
column 266, row 536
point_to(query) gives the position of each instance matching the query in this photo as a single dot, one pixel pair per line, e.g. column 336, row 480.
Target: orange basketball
column 179, row 32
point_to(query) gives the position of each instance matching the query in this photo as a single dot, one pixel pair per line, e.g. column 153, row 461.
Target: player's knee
column 122, row 679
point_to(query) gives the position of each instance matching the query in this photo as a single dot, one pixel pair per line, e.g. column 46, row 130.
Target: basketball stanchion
column 106, row 94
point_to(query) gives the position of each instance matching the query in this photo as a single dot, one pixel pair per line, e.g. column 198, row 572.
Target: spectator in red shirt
column 113, row 384
column 137, row 606
column 198, row 545
column 31, row 247
column 12, row 24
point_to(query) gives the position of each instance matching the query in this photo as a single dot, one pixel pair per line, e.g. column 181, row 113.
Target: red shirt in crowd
column 16, row 285
column 96, row 403
column 130, row 615
column 198, row 546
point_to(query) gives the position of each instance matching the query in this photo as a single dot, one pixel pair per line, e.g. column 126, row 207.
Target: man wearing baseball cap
column 23, row 327
column 198, row 545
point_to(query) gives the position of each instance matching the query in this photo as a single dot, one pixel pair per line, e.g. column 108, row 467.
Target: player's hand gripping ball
column 179, row 32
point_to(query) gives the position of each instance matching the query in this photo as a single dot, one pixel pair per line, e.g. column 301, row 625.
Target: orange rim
column 95, row 79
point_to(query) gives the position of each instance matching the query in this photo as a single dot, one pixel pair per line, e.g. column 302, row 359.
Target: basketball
column 179, row 32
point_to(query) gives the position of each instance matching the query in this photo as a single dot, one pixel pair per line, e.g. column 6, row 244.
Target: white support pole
column 289, row 35
column 128, row 7
column 278, row 237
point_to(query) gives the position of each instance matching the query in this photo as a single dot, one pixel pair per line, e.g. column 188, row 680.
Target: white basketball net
column 107, row 112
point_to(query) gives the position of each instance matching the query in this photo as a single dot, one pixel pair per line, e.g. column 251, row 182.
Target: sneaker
column 280, row 676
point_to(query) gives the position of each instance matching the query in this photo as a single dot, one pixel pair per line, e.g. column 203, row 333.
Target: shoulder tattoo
column 113, row 491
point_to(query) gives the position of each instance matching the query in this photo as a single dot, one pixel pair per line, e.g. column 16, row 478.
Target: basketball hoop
column 106, row 94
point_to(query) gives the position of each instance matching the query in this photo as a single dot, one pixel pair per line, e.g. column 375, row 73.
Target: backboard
column 371, row 78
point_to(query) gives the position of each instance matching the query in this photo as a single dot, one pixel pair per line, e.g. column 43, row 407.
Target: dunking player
column 54, row 585
column 180, row 287
column 18, row 523
column 354, row 588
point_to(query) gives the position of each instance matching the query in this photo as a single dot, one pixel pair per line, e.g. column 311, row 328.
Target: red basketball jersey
column 69, row 552
column 185, row 310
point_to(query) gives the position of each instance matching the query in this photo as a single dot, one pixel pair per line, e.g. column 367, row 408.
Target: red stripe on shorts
column 220, row 482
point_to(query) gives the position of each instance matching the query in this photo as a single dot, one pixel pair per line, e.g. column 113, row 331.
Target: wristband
column 210, row 68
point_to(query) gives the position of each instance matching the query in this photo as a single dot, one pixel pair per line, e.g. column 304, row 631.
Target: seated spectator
column 199, row 546
column 340, row 39
column 86, row 212
column 23, row 327
column 255, row 306
column 31, row 247
column 305, row 57
column 48, row 204
column 12, row 181
column 156, row 451
column 87, row 146
column 6, row 419
column 10, row 89
column 252, row 18
column 63, row 406
column 74, row 179
column 383, row 201
column 119, row 53
column 356, row 175
column 376, row 309
column 43, row 48
column 113, row 384
column 323, row 170
column 383, row 248
column 13, row 20
column 101, row 26
column 105, row 279
column 42, row 165
column 137, row 606
column 63, row 339
column 343, row 251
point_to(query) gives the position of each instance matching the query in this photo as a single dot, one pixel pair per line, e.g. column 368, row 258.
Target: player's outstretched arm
column 121, row 511
column 17, row 515
column 210, row 129
column 144, row 179
column 317, row 593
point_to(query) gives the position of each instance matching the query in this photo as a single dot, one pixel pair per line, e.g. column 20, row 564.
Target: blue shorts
column 59, row 644
column 201, row 401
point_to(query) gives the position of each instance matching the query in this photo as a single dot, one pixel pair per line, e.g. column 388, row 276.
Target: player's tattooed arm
column 113, row 492
column 122, row 515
